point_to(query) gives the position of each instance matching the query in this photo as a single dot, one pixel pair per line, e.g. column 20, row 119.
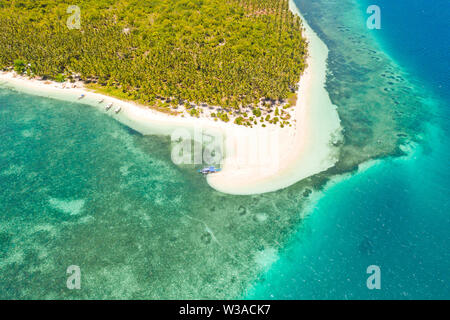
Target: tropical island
column 249, row 73
column 236, row 60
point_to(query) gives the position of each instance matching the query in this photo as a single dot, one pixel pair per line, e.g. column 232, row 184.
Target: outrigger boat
column 209, row 170
column 118, row 109
column 108, row 106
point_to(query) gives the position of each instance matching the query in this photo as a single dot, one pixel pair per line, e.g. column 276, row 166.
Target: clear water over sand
column 79, row 188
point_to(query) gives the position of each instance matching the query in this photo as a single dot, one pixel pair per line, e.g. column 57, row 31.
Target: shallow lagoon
column 79, row 188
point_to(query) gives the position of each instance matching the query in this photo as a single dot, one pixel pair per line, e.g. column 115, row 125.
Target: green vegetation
column 194, row 112
column 19, row 66
column 292, row 100
column 257, row 112
column 60, row 78
column 239, row 120
column 223, row 116
column 229, row 53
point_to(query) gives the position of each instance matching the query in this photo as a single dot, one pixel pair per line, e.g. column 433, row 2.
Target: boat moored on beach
column 117, row 110
column 209, row 170
column 108, row 106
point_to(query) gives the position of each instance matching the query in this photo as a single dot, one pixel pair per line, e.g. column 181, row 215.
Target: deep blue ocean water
column 416, row 33
column 395, row 214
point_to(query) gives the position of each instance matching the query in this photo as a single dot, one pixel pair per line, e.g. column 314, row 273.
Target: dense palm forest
column 228, row 53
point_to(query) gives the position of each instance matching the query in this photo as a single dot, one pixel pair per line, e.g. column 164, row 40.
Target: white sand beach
column 256, row 160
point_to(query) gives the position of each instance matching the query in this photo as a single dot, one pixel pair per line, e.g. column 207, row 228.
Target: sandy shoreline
column 257, row 159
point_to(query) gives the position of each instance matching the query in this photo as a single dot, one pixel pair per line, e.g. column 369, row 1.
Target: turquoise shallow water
column 73, row 184
column 394, row 214
column 79, row 188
